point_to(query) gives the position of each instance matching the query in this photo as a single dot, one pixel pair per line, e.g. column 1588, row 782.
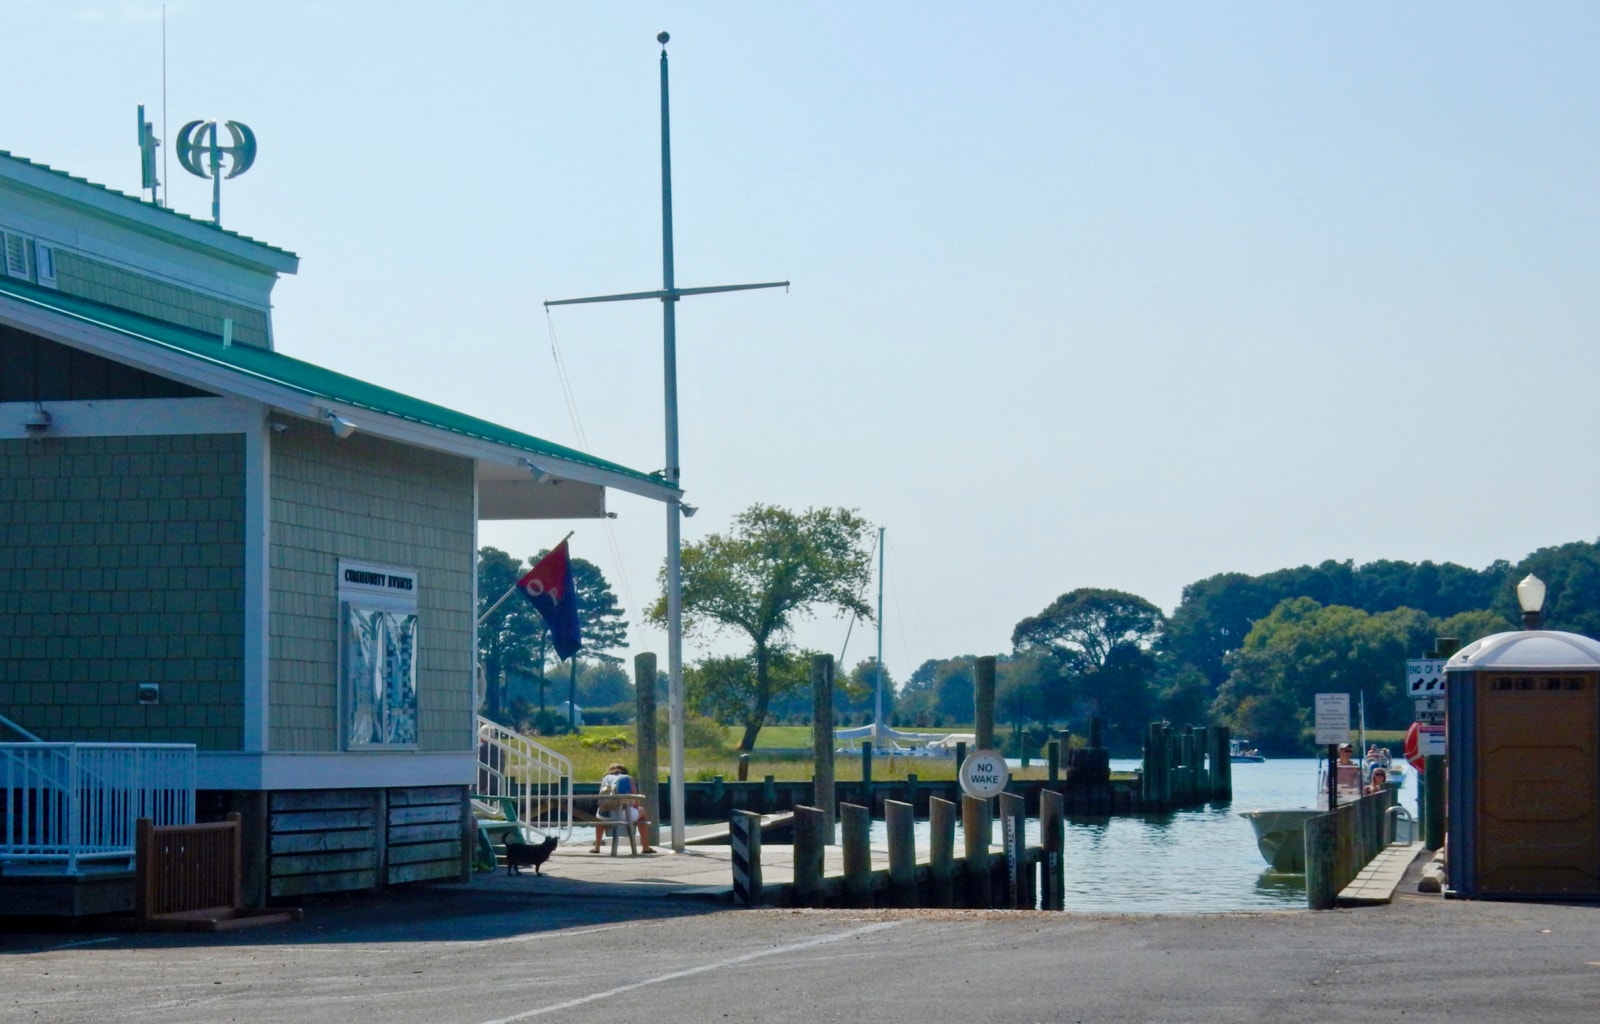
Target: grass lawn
column 597, row 747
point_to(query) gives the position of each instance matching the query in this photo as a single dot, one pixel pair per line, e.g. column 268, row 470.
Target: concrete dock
column 706, row 872
column 699, row 872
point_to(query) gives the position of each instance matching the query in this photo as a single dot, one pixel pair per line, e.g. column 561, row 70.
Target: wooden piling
column 1052, row 836
column 1222, row 782
column 744, row 767
column 911, row 790
column 644, row 706
column 855, row 826
column 976, row 825
column 941, row 851
column 812, row 832
column 1433, row 801
column 983, row 700
column 866, row 777
column 1053, row 752
column 822, row 737
column 1013, row 827
column 901, row 822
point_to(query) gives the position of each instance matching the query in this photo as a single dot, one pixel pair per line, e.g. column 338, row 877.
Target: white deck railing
column 66, row 803
column 536, row 779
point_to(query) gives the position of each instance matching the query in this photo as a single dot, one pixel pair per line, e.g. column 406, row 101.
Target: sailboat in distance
column 883, row 738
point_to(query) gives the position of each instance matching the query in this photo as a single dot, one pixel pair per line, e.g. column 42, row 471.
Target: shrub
column 614, row 742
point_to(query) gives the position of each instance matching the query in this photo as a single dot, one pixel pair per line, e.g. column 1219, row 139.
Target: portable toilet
column 1523, row 739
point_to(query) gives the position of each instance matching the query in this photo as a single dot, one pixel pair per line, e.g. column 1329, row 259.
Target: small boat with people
column 1240, row 752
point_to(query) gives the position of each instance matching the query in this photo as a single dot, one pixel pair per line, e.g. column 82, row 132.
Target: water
column 1200, row 861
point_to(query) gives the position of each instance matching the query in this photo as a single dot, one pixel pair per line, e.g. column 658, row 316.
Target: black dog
column 521, row 855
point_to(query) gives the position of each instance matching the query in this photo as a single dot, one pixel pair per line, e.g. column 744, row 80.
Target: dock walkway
column 699, row 872
column 706, row 872
column 1378, row 881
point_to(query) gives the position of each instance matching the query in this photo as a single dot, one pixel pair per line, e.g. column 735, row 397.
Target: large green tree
column 771, row 570
column 1304, row 648
column 1100, row 642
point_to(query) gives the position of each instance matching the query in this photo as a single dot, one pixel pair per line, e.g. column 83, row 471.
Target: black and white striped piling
column 744, row 831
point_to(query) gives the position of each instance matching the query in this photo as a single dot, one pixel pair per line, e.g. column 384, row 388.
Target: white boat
column 1281, row 836
column 1280, row 832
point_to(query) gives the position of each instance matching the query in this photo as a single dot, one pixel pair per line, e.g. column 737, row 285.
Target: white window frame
column 44, row 264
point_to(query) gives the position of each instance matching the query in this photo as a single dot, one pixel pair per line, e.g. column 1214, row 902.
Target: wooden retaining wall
column 1342, row 842
column 300, row 842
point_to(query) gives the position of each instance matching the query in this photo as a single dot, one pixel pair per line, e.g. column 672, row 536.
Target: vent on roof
column 16, row 255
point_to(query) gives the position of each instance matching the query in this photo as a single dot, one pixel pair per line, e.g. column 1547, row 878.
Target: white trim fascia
column 196, row 370
column 363, row 769
column 136, row 417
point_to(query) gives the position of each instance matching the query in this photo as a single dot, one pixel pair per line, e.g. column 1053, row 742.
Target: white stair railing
column 65, row 803
column 536, row 779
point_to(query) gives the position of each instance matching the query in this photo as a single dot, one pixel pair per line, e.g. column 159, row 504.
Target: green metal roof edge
column 147, row 205
column 307, row 378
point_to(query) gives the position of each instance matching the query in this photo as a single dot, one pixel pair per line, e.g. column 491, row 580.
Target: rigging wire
column 915, row 618
column 583, row 445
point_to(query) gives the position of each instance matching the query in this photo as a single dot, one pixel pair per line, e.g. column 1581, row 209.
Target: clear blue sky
column 1084, row 294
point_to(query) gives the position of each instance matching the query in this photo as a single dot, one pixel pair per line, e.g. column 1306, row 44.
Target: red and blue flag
column 548, row 587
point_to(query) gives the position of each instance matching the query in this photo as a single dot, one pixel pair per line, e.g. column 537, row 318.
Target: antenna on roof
column 148, row 144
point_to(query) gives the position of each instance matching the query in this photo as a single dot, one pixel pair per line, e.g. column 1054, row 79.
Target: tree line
column 1240, row 650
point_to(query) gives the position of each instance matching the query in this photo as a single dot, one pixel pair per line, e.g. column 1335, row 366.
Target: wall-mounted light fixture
column 1530, row 595
column 539, row 473
column 687, row 509
column 38, row 422
column 279, row 427
column 342, row 427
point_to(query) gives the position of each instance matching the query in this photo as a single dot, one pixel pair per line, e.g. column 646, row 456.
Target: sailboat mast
column 877, row 703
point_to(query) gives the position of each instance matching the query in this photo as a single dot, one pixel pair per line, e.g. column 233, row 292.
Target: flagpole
column 669, row 295
column 513, row 588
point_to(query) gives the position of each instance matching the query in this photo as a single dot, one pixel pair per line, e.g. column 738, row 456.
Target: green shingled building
column 203, row 540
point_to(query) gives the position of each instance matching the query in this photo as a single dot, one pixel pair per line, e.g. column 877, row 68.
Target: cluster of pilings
column 1184, row 766
column 1021, row 877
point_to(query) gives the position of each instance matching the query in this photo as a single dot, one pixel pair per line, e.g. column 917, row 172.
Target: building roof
column 306, row 389
column 1547, row 649
column 45, row 178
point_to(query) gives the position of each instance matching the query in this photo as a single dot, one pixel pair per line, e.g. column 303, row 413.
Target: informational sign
column 377, row 655
column 1333, row 717
column 1430, row 710
column 1425, row 677
column 1430, row 740
column 984, row 774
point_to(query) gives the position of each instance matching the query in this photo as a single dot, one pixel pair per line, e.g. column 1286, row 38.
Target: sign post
column 1333, row 728
column 984, row 774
